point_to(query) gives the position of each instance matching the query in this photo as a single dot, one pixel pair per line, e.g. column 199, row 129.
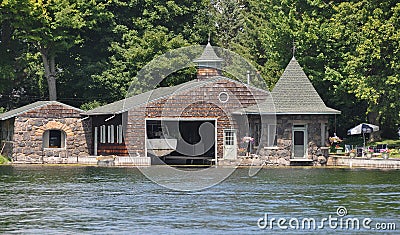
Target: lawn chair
column 380, row 148
column 347, row 148
column 360, row 151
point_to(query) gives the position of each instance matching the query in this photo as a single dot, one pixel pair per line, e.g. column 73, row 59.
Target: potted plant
column 385, row 153
column 339, row 149
column 242, row 151
column 369, row 153
column 352, row 153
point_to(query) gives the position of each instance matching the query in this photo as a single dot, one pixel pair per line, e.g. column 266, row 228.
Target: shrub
column 4, row 160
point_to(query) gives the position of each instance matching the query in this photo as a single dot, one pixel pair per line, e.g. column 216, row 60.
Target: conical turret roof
column 294, row 93
column 208, row 55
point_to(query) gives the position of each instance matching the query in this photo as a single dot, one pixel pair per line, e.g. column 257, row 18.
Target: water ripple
column 59, row 200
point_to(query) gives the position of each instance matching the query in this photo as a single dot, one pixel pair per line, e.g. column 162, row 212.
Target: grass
column 4, row 160
column 393, row 145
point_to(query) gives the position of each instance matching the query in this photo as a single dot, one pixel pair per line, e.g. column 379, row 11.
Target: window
column 223, row 97
column 119, row 134
column 7, row 131
column 102, row 134
column 54, row 139
column 110, row 136
column 256, row 133
column 229, row 137
column 272, row 135
column 323, row 134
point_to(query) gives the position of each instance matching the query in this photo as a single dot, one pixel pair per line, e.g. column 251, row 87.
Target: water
column 66, row 199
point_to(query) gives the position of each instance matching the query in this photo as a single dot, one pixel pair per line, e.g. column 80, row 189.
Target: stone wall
column 28, row 138
column 284, row 129
column 30, row 127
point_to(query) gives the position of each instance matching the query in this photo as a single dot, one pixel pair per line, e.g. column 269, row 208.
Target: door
column 230, row 144
column 299, row 141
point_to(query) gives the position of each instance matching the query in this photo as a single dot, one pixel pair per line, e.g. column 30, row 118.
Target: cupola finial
column 294, row 48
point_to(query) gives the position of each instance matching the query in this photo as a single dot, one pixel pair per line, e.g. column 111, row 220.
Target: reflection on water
column 57, row 199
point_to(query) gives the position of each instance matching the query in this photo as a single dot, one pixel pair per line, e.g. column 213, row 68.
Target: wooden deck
column 102, row 160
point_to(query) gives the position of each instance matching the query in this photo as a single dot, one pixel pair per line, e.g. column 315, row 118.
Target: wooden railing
column 136, row 161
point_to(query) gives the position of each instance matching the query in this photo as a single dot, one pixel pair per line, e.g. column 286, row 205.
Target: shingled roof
column 29, row 107
column 293, row 94
column 208, row 55
column 125, row 105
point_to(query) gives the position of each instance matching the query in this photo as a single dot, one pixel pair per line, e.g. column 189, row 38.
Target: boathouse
column 201, row 121
column 301, row 117
column 191, row 122
column 45, row 132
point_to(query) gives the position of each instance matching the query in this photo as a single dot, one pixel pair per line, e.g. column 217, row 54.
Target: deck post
column 95, row 140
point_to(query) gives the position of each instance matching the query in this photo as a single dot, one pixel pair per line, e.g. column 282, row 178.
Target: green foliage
column 349, row 49
column 367, row 33
column 91, row 105
column 394, row 153
column 390, row 142
column 4, row 160
column 158, row 27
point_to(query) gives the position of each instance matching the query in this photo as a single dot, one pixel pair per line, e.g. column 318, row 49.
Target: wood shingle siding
column 197, row 102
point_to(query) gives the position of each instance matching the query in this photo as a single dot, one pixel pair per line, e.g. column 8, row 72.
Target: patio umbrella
column 362, row 129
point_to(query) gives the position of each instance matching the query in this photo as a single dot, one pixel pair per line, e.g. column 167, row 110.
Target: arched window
column 54, row 139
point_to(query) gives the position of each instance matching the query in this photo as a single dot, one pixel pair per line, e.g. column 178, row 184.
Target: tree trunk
column 6, row 33
column 373, row 118
column 50, row 72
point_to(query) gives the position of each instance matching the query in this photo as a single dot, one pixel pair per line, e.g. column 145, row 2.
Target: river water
column 101, row 200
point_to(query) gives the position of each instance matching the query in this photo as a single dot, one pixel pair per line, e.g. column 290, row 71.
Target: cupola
column 208, row 64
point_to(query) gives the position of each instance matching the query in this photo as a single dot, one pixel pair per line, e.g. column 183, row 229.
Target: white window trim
column 119, row 134
column 46, row 139
column 110, row 136
column 103, row 134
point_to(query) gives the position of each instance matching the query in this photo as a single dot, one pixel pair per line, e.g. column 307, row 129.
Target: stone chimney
column 208, row 64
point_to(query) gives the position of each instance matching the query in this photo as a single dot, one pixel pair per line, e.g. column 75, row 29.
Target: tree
column 369, row 56
column 51, row 27
column 153, row 28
